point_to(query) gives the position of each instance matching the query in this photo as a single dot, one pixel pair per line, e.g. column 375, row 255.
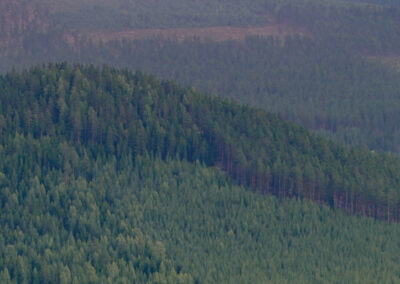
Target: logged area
column 392, row 61
column 205, row 33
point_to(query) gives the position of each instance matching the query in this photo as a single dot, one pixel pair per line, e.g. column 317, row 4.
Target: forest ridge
column 320, row 65
column 107, row 171
column 263, row 149
column 115, row 113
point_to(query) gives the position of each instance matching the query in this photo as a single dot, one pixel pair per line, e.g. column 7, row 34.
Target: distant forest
column 123, row 14
column 324, row 80
column 330, row 91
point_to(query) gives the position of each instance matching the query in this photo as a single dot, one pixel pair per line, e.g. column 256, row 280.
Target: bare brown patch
column 390, row 60
column 211, row 33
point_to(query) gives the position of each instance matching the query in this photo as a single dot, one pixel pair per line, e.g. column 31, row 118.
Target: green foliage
column 61, row 117
column 69, row 232
column 94, row 189
column 316, row 81
column 325, row 89
column 179, row 222
column 102, row 172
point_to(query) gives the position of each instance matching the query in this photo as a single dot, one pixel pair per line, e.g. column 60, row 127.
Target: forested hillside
column 325, row 89
column 175, row 222
column 324, row 79
column 112, row 176
column 104, row 179
column 92, row 114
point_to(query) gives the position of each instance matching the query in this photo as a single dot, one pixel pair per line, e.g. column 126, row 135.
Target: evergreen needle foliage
column 103, row 179
column 179, row 222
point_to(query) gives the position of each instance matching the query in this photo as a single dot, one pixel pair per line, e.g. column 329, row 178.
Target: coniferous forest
column 97, row 164
column 199, row 141
column 327, row 77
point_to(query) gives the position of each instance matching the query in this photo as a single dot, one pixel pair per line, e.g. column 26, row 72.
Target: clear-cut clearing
column 212, row 33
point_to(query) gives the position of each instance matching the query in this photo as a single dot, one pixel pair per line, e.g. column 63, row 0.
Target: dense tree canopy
column 318, row 80
column 109, row 176
column 89, row 113
column 177, row 222
column 103, row 178
column 323, row 88
column 315, row 80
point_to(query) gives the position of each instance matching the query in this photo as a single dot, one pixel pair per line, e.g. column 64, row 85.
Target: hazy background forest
column 317, row 63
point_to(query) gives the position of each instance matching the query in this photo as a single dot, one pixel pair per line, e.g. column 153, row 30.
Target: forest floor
column 219, row 33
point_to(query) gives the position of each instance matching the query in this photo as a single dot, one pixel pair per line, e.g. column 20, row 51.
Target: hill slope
column 315, row 77
column 93, row 188
column 177, row 222
column 96, row 114
column 325, row 89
